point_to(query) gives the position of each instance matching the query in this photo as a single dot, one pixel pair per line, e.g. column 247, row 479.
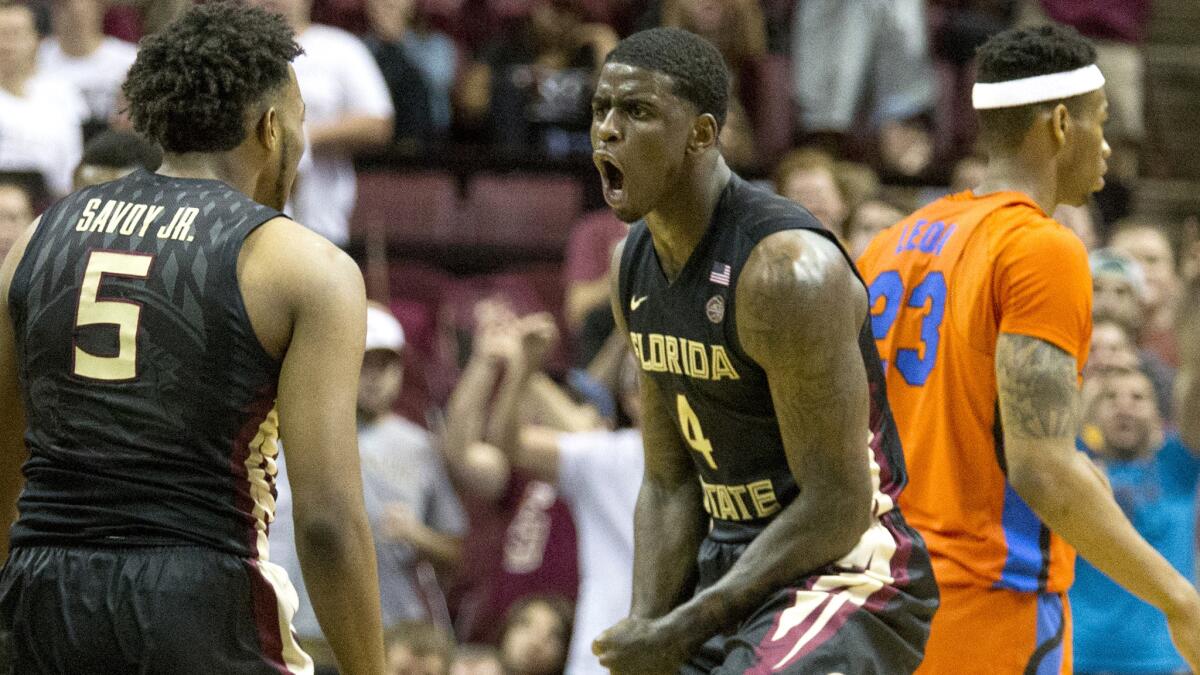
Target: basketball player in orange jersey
column 981, row 305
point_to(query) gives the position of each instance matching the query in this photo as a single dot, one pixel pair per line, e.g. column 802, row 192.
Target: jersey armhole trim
column 240, row 299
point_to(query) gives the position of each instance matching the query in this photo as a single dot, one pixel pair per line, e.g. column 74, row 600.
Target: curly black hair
column 1027, row 52
column 190, row 86
column 694, row 64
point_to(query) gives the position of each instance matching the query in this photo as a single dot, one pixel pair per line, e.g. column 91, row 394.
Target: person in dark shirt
column 541, row 72
column 418, row 66
column 157, row 333
column 772, row 465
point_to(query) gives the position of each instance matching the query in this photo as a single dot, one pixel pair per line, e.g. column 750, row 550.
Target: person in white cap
column 416, row 518
column 981, row 306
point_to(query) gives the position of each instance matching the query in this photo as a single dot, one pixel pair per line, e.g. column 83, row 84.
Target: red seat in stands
column 406, row 207
column 526, row 210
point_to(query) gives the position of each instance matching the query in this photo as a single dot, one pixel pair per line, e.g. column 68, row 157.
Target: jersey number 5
column 121, row 313
column 913, row 366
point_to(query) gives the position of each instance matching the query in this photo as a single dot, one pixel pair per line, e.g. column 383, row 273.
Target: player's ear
column 704, row 133
column 1060, row 120
column 268, row 130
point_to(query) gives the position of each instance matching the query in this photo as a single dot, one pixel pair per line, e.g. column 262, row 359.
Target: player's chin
column 626, row 211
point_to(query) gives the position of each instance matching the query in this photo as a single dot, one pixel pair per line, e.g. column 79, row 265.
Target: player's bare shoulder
column 284, row 269
column 795, row 284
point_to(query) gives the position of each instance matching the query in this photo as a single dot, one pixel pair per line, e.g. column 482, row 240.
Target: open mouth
column 612, row 177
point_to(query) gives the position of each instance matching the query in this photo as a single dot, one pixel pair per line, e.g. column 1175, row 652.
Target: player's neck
column 678, row 227
column 1013, row 172
column 223, row 166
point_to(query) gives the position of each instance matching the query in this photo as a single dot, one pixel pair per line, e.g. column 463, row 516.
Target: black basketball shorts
column 174, row 610
column 868, row 614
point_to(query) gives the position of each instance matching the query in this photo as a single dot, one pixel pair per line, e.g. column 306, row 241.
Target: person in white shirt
column 598, row 474
column 80, row 54
column 349, row 110
column 40, row 117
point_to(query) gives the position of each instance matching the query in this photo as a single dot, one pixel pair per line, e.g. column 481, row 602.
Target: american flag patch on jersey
column 720, row 274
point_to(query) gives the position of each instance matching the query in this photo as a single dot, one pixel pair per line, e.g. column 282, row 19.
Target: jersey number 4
column 689, row 423
column 123, row 314
column 914, row 366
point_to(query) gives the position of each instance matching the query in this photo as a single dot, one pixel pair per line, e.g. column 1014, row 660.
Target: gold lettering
column 726, row 504
column 635, row 339
column 762, row 493
column 152, row 213
column 673, row 355
column 184, row 227
column 132, row 219
column 667, row 353
column 89, row 212
column 697, row 360
column 737, row 493
column 721, row 365
column 118, row 215
column 658, row 360
column 165, row 231
column 102, row 219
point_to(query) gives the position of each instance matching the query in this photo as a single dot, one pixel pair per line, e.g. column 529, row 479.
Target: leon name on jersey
column 681, row 356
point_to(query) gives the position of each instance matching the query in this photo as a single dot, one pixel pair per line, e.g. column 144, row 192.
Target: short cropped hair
column 116, row 149
column 1027, row 52
column 191, row 84
column 695, row 66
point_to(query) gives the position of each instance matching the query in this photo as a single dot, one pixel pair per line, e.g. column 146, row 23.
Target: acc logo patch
column 715, row 308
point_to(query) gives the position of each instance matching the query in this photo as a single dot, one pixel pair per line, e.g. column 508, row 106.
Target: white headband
column 987, row 95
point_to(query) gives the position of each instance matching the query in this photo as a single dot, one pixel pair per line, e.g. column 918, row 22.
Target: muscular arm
column 800, row 309
column 1039, row 409
column 669, row 520
column 322, row 290
column 12, row 406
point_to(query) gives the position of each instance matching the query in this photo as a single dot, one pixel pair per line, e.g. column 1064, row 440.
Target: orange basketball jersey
column 944, row 283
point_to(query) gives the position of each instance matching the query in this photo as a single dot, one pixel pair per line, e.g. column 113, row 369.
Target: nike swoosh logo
column 635, row 302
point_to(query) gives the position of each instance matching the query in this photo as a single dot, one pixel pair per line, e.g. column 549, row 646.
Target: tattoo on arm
column 1038, row 393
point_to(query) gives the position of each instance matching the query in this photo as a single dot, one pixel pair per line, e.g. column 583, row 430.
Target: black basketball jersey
column 684, row 334
column 149, row 399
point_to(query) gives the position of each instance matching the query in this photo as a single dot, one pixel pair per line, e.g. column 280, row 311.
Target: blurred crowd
column 498, row 411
